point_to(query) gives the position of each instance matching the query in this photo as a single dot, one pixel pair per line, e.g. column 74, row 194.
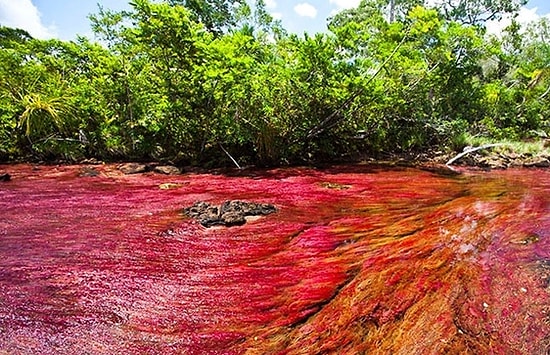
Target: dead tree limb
column 471, row 150
column 230, row 157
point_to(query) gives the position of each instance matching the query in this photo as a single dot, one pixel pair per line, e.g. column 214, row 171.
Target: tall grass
column 527, row 147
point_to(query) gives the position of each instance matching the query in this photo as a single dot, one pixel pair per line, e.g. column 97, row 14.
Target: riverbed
column 357, row 259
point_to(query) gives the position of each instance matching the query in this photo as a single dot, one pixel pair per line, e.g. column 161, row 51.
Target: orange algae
column 357, row 260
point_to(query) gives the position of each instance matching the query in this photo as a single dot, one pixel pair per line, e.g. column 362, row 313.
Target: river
column 357, row 259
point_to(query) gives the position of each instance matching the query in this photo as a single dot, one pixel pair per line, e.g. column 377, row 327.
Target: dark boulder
column 88, row 171
column 5, row 177
column 134, row 168
column 229, row 213
column 91, row 161
column 537, row 162
column 207, row 214
column 167, row 169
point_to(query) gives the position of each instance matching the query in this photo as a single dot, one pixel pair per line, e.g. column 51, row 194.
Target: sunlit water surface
column 356, row 260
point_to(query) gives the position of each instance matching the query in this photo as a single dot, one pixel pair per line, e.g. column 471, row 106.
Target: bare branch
column 471, row 150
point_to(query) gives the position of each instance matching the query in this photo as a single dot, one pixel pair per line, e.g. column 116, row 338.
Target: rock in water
column 88, row 172
column 207, row 214
column 5, row 177
column 167, row 169
column 133, row 168
column 229, row 213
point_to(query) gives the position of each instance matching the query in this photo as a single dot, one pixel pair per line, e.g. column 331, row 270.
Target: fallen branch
column 230, row 157
column 544, row 94
column 471, row 150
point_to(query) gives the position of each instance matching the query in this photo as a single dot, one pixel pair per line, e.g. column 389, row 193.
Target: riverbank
column 485, row 155
column 500, row 155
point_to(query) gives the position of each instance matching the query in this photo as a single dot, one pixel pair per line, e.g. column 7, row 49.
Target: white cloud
column 345, row 4
column 23, row 14
column 270, row 4
column 525, row 17
column 306, row 10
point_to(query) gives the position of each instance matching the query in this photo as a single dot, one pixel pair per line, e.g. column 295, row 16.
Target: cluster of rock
column 138, row 168
column 88, row 171
column 508, row 160
column 130, row 168
column 229, row 213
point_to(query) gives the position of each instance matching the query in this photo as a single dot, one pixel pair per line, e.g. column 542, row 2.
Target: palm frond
column 41, row 113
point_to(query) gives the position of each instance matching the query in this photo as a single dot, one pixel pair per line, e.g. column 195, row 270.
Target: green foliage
column 178, row 79
column 215, row 15
column 475, row 12
column 40, row 114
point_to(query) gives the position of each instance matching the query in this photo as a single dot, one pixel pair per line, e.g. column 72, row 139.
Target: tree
column 10, row 36
column 190, row 80
column 428, row 86
column 217, row 16
column 475, row 12
column 516, row 96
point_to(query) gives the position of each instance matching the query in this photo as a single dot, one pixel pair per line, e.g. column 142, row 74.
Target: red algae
column 356, row 260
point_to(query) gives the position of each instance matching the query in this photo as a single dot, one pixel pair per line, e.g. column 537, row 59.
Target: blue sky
column 65, row 19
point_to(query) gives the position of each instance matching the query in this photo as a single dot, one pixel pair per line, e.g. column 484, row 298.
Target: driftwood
column 471, row 150
column 230, row 157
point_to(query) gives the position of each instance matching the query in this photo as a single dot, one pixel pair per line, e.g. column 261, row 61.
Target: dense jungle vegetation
column 184, row 80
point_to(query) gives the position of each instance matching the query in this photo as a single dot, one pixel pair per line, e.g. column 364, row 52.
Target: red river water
column 357, row 260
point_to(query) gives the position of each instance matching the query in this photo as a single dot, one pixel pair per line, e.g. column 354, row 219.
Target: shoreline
column 470, row 158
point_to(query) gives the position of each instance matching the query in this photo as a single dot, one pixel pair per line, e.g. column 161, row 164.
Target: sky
column 65, row 19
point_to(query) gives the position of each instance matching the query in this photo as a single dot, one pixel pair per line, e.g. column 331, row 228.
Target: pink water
column 357, row 260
